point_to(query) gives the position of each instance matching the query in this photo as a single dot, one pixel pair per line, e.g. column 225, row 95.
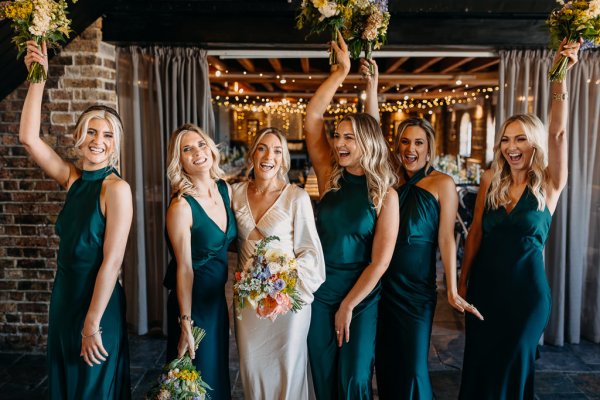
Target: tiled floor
column 569, row 372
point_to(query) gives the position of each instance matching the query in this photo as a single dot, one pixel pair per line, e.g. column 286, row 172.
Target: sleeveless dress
column 209, row 306
column 81, row 226
column 508, row 286
column 273, row 354
column 346, row 225
column 408, row 298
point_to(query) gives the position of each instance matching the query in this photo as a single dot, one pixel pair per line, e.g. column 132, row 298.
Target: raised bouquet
column 268, row 282
column 363, row 23
column 180, row 380
column 38, row 20
column 574, row 20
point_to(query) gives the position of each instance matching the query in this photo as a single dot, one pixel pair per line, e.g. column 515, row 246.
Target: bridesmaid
column 357, row 223
column 504, row 264
column 273, row 355
column 428, row 206
column 200, row 227
column 88, row 354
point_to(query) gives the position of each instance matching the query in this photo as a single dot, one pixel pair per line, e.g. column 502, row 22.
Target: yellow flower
column 319, row 3
column 187, row 375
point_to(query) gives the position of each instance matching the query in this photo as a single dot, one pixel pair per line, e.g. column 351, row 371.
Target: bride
column 273, row 355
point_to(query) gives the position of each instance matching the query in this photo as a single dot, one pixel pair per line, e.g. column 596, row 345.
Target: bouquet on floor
column 268, row 283
column 363, row 23
column 575, row 19
column 38, row 20
column 180, row 380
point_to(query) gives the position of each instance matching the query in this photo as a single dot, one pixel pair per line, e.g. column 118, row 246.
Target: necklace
column 264, row 190
column 212, row 199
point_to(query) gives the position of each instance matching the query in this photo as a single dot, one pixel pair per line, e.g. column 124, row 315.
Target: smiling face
column 98, row 144
column 516, row 148
column 413, row 149
column 267, row 157
column 346, row 147
column 195, row 154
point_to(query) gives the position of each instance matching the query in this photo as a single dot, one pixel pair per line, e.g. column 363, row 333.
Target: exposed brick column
column 83, row 73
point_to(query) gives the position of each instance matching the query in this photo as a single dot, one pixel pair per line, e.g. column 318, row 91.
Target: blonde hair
column 429, row 133
column 113, row 120
column 181, row 183
column 286, row 159
column 374, row 160
column 498, row 193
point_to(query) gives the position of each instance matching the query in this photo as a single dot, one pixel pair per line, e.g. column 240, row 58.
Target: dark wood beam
column 276, row 64
column 450, row 64
column 305, row 64
column 426, row 64
column 396, row 64
column 247, row 64
column 484, row 64
column 218, row 64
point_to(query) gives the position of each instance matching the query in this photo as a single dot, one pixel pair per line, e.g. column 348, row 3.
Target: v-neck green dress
column 209, row 306
column 81, row 226
column 346, row 225
column 508, row 286
column 408, row 298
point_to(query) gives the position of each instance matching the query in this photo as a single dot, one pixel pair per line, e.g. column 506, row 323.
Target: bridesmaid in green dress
column 428, row 206
column 88, row 355
column 503, row 263
column 357, row 221
column 200, row 225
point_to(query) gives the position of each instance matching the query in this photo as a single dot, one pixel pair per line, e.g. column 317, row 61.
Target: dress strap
column 410, row 182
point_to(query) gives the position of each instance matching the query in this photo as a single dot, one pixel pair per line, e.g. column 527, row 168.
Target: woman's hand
column 569, row 50
column 459, row 303
column 369, row 70
column 343, row 317
column 186, row 340
column 36, row 54
column 92, row 349
column 342, row 55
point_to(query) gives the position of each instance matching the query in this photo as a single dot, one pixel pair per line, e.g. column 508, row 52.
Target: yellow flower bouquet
column 38, row 20
column 574, row 20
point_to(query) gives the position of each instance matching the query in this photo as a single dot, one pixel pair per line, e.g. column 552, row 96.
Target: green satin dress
column 408, row 298
column 346, row 225
column 508, row 286
column 80, row 226
column 209, row 306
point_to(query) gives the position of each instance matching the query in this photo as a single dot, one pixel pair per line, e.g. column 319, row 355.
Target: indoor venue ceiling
column 434, row 46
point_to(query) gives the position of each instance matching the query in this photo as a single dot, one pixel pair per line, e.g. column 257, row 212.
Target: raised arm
column 448, row 201
column 372, row 79
column 29, row 129
column 318, row 147
column 384, row 241
column 119, row 213
column 475, row 234
column 179, row 223
column 557, row 136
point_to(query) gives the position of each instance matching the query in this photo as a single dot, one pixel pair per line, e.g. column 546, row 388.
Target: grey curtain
column 158, row 89
column 572, row 252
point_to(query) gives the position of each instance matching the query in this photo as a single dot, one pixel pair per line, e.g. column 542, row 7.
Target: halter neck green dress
column 209, row 306
column 80, row 226
column 408, row 298
column 346, row 225
column 508, row 286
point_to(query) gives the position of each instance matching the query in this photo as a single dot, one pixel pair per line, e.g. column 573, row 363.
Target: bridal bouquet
column 38, row 20
column 363, row 23
column 268, row 283
column 575, row 19
column 180, row 380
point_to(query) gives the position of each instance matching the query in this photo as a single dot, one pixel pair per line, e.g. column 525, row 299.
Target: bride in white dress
column 273, row 355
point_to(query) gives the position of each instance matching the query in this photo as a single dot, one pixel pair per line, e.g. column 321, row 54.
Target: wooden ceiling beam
column 396, row 64
column 276, row 64
column 218, row 64
column 484, row 65
column 427, row 64
column 451, row 65
column 305, row 64
column 247, row 64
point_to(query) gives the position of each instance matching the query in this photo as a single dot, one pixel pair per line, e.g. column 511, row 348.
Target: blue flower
column 279, row 284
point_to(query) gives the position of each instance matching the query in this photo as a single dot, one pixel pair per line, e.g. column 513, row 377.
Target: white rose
column 328, row 10
column 274, row 267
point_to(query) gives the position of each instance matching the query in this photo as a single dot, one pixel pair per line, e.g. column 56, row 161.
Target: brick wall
column 83, row 73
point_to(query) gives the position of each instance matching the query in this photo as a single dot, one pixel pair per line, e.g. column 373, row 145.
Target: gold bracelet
column 99, row 331
column 185, row 318
column 560, row 96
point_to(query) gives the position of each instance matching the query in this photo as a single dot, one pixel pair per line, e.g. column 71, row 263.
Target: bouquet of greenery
column 268, row 283
column 574, row 20
column 180, row 380
column 38, row 20
column 363, row 23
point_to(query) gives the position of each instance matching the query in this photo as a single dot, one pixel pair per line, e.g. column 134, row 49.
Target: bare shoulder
column 179, row 208
column 442, row 179
column 116, row 187
column 391, row 197
column 486, row 179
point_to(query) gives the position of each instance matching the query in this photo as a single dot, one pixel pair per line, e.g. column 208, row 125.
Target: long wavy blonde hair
column 374, row 159
column 498, row 193
column 181, row 183
column 113, row 120
column 429, row 133
column 286, row 159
